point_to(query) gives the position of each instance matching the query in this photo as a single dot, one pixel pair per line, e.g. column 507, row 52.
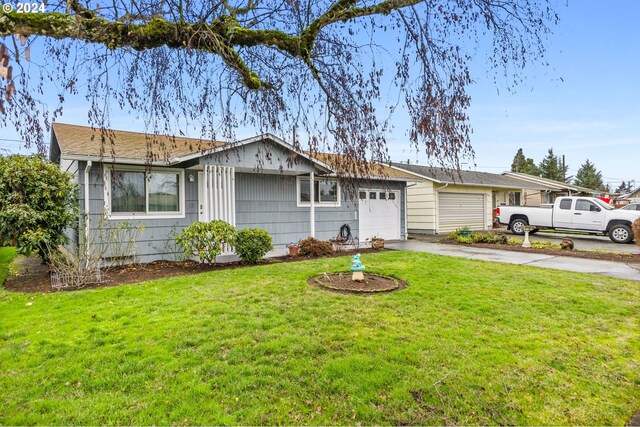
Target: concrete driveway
column 582, row 242
column 605, row 268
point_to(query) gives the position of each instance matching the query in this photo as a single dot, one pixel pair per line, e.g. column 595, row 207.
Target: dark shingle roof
column 555, row 185
column 485, row 179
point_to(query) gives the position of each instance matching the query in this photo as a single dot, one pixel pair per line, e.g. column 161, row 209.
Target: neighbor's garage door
column 379, row 214
column 456, row 210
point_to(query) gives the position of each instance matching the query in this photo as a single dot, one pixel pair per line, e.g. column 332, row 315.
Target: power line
column 20, row 141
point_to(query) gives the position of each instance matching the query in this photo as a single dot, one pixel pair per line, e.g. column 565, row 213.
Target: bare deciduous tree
column 335, row 71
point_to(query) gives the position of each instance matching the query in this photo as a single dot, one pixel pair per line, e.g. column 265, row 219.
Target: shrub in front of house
column 315, row 247
column 252, row 244
column 206, row 239
column 38, row 202
column 545, row 245
column 490, row 237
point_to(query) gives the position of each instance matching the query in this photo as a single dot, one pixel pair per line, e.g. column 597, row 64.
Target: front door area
column 216, row 194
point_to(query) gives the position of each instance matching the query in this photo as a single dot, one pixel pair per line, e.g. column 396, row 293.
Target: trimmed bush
column 252, row 244
column 205, row 239
column 315, row 247
column 545, row 245
column 38, row 202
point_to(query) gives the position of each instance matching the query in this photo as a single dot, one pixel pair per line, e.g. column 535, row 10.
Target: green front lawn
column 467, row 343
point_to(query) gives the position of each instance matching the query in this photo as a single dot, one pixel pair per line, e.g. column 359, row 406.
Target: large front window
column 326, row 192
column 145, row 192
column 128, row 192
column 163, row 192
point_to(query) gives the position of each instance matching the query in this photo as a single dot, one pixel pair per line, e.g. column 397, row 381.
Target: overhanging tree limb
column 222, row 36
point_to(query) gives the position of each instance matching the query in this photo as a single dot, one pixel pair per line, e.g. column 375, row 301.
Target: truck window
column 585, row 205
column 565, row 204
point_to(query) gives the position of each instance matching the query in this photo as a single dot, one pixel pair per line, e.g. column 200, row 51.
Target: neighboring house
column 550, row 189
column 445, row 200
column 257, row 182
column 633, row 197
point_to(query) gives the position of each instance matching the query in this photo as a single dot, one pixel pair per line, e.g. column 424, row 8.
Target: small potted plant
column 464, row 231
column 294, row 249
column 377, row 242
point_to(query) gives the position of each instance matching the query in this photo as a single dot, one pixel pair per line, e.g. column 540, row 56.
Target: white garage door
column 457, row 210
column 379, row 214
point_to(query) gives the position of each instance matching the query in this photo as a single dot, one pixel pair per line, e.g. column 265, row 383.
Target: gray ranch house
column 163, row 184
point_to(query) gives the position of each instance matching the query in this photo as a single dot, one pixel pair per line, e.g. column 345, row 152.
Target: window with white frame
column 132, row 192
column 326, row 192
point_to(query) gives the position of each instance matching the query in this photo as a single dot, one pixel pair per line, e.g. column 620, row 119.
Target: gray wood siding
column 155, row 241
column 260, row 156
column 270, row 202
column 267, row 201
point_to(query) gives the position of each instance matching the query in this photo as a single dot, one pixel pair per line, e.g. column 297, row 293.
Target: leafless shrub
column 107, row 246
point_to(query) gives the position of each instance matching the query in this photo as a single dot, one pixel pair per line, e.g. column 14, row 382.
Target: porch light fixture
column 191, row 177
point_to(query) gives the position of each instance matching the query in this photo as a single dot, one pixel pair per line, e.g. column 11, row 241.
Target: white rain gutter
column 406, row 214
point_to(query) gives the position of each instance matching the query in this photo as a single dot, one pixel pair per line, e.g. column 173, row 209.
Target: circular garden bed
column 342, row 283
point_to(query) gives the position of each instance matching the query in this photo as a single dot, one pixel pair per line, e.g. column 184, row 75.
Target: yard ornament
column 357, row 267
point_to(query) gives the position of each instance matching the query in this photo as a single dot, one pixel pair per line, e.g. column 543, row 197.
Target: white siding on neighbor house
column 532, row 197
column 424, row 209
column 421, row 204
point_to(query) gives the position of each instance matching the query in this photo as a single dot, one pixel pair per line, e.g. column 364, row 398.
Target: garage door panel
column 456, row 210
column 379, row 214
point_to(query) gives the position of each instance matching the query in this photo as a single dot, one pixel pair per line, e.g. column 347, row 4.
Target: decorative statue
column 357, row 267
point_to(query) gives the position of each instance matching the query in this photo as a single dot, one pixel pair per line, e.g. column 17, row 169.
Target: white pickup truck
column 584, row 214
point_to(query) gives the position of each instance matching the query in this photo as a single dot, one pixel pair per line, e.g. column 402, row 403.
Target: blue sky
column 585, row 104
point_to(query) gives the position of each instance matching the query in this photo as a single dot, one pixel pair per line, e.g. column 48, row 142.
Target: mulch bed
column 342, row 283
column 136, row 273
column 604, row 256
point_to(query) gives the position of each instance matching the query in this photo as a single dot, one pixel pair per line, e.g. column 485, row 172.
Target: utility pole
column 564, row 170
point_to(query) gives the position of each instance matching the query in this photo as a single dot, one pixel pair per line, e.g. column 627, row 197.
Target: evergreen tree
column 523, row 164
column 622, row 188
column 589, row 177
column 519, row 161
column 551, row 167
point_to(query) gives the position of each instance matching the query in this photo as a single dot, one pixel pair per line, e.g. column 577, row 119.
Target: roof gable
column 82, row 142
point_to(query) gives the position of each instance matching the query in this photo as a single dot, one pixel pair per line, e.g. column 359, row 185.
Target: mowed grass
column 466, row 343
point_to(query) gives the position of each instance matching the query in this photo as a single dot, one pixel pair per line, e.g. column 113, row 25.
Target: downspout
column 312, row 205
column 406, row 214
column 87, row 169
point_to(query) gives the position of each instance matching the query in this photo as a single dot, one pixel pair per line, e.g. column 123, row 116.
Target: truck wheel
column 620, row 233
column 517, row 226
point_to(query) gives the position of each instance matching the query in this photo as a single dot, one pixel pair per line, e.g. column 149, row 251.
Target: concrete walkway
column 581, row 265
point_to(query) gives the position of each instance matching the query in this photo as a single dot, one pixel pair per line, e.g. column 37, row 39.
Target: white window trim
column 147, row 215
column 318, row 204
